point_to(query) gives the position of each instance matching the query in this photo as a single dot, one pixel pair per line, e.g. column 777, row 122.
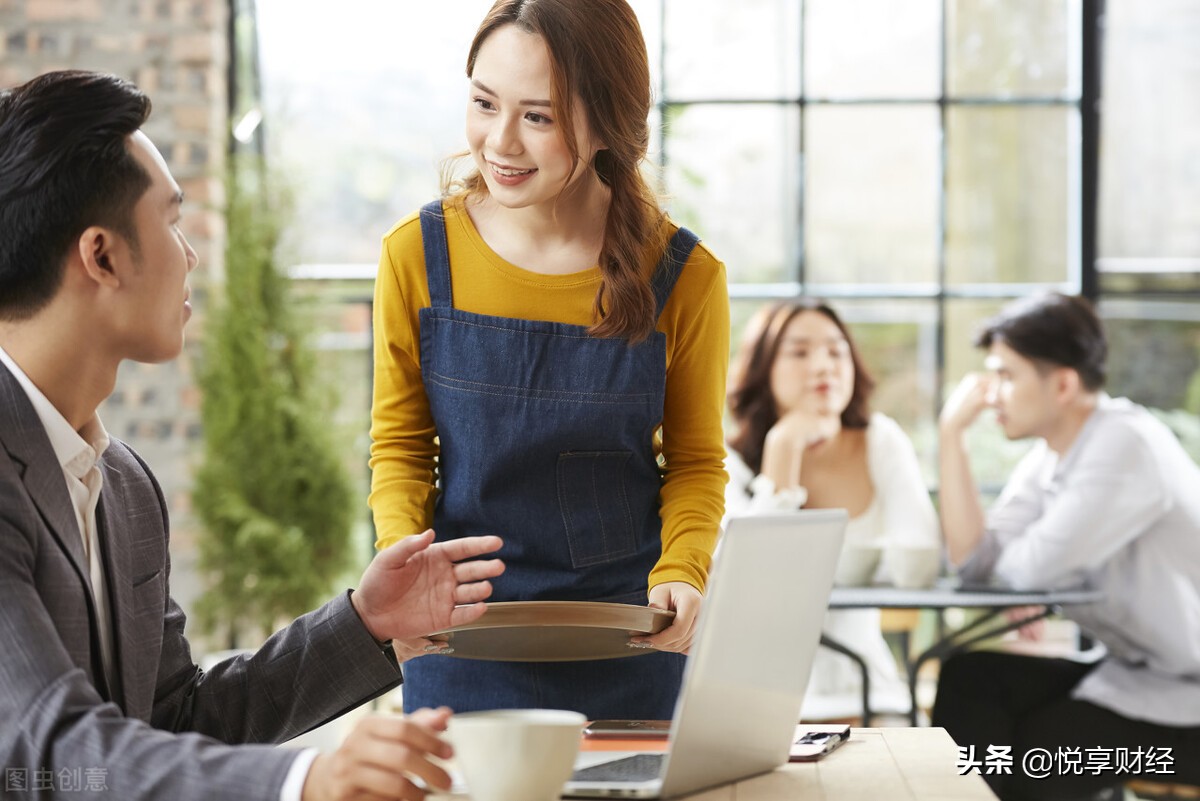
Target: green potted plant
column 275, row 503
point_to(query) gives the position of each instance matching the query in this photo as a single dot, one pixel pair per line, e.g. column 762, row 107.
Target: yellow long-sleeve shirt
column 695, row 321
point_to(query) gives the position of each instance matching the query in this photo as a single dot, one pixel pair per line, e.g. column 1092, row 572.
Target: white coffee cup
column 856, row 565
column 914, row 567
column 516, row 754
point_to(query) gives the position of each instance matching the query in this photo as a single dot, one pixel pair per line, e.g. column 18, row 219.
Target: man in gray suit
column 97, row 682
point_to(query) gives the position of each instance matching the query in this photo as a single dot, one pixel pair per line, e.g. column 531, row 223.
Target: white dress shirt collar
column 76, row 451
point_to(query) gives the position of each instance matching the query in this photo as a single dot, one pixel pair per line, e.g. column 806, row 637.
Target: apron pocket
column 595, row 509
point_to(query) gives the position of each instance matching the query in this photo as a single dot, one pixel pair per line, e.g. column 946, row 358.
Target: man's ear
column 1067, row 383
column 100, row 251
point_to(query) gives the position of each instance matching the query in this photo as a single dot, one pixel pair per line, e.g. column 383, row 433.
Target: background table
column 941, row 597
column 896, row 764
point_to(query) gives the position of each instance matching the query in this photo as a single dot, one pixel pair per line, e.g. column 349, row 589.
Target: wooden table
column 899, row 764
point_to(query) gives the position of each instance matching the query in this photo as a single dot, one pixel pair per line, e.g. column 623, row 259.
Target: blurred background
column 918, row 163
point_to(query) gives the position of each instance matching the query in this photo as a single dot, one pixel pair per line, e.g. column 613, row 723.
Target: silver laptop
column 759, row 629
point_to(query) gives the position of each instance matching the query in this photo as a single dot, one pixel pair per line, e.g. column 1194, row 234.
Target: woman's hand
column 804, row 429
column 684, row 600
column 788, row 439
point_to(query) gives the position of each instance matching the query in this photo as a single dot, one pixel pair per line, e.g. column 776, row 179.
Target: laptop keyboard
column 636, row 768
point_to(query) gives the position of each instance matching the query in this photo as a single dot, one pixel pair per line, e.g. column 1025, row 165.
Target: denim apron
column 546, row 439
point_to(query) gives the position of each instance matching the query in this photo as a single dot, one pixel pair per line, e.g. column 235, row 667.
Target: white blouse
column 900, row 515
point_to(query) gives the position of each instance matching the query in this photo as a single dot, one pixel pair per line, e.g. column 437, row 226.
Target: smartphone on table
column 818, row 742
column 628, row 729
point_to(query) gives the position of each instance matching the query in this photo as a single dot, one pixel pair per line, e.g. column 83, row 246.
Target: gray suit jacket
column 58, row 711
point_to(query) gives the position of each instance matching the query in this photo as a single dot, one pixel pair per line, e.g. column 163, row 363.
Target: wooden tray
column 554, row 631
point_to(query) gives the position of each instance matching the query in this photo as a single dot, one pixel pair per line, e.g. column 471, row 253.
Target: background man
column 1107, row 498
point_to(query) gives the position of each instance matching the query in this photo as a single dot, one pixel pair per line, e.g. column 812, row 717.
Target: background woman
column 534, row 329
column 805, row 437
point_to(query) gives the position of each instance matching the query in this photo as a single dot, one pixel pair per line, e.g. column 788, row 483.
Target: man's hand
column 685, row 600
column 965, row 404
column 961, row 512
column 380, row 757
column 417, row 586
column 1034, row 630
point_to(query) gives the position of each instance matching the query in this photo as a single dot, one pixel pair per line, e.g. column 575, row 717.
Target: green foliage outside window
column 274, row 499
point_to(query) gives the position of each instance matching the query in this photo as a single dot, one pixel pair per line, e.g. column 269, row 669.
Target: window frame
column 1081, row 236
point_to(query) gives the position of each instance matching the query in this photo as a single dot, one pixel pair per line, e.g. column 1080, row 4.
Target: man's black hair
column 64, row 166
column 1056, row 329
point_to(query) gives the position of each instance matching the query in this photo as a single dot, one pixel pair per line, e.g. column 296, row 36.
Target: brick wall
column 176, row 51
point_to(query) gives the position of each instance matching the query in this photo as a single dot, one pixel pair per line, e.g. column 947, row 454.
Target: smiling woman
column 524, row 157
column 537, row 329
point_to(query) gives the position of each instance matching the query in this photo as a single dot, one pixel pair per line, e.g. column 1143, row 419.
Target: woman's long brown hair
column 751, row 401
column 598, row 55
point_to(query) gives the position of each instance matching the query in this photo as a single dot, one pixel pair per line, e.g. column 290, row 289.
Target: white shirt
column 900, row 514
column 79, row 457
column 1119, row 512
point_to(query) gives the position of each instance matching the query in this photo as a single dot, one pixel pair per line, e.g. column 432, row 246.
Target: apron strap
column 679, row 249
column 437, row 255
